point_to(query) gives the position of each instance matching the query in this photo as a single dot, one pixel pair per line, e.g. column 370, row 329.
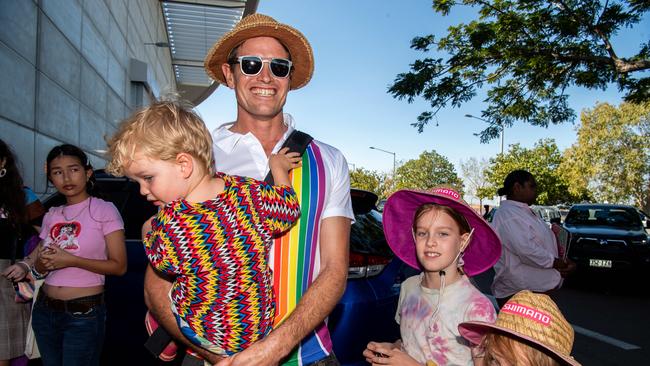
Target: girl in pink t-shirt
column 82, row 241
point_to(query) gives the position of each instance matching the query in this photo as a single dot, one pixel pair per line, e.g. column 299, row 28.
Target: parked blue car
column 365, row 312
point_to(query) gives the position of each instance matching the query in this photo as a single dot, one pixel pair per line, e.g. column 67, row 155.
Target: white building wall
column 65, row 73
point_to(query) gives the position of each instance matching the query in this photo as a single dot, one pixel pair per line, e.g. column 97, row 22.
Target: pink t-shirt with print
column 79, row 229
column 425, row 337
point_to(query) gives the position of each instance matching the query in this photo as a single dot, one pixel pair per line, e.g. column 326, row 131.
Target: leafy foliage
column 543, row 161
column 526, row 53
column 370, row 180
column 611, row 158
column 429, row 170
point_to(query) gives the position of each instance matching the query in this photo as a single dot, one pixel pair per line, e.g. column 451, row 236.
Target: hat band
column 527, row 312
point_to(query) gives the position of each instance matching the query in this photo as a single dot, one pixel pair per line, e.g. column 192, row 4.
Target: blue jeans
column 69, row 339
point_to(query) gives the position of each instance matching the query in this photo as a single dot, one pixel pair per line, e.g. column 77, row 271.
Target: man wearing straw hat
column 261, row 60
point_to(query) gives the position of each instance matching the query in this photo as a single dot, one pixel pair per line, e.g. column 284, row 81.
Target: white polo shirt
column 238, row 154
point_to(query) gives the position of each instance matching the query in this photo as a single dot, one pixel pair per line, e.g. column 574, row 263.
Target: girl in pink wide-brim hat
column 438, row 233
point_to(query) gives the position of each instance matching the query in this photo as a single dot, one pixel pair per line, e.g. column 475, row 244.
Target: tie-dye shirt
column 437, row 339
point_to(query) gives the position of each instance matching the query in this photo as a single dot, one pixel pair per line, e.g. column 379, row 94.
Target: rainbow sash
column 295, row 255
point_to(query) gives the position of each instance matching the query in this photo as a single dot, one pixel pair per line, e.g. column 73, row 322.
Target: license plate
column 601, row 263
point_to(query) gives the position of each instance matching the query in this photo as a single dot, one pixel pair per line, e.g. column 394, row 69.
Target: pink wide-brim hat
column 483, row 250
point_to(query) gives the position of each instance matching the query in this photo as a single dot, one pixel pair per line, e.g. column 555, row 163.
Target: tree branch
column 603, row 12
column 622, row 65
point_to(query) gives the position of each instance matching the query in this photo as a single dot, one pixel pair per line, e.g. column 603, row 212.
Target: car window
column 603, row 216
column 367, row 235
column 133, row 207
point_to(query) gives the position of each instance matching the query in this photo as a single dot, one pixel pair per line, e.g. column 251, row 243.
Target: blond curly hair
column 161, row 130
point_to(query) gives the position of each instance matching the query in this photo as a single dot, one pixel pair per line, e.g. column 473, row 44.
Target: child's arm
column 281, row 163
column 20, row 269
column 158, row 251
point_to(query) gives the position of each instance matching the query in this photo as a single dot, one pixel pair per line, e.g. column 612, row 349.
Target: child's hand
column 378, row 349
column 285, row 160
column 56, row 258
column 15, row 272
column 392, row 356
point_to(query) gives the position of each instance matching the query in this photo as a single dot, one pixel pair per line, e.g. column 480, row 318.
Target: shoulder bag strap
column 296, row 142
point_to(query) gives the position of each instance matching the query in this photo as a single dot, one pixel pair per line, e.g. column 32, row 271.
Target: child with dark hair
column 82, row 241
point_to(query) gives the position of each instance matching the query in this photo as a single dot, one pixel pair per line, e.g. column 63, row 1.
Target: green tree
column 474, row 173
column 429, row 170
column 526, row 53
column 611, row 158
column 365, row 179
column 543, row 161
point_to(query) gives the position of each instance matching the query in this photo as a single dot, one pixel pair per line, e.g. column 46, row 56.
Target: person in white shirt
column 529, row 260
column 261, row 60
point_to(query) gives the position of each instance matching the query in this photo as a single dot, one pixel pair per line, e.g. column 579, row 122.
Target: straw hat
column 260, row 25
column 531, row 317
column 399, row 211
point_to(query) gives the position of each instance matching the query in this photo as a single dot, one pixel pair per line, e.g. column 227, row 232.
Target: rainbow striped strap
column 295, row 254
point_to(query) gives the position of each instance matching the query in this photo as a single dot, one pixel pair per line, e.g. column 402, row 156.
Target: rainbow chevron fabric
column 218, row 250
column 296, row 255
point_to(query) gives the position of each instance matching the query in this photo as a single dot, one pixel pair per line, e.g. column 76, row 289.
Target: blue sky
column 359, row 48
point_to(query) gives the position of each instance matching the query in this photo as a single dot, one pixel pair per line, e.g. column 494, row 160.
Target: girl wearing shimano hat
column 441, row 235
column 530, row 331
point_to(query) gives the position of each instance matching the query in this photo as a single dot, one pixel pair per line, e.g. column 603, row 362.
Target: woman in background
column 19, row 208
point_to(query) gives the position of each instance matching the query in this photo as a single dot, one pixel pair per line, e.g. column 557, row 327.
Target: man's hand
column 259, row 353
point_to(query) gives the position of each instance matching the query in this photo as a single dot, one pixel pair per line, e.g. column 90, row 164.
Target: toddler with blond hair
column 213, row 231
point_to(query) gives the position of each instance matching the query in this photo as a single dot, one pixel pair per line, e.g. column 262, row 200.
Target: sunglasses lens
column 280, row 67
column 251, row 65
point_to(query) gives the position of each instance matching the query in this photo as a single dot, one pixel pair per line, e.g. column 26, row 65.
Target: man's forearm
column 315, row 305
column 156, row 290
column 324, row 293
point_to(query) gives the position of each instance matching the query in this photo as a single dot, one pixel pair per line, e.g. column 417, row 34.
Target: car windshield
column 603, row 216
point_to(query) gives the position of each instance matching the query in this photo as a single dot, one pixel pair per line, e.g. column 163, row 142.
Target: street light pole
column 502, row 138
column 486, row 121
column 394, row 160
